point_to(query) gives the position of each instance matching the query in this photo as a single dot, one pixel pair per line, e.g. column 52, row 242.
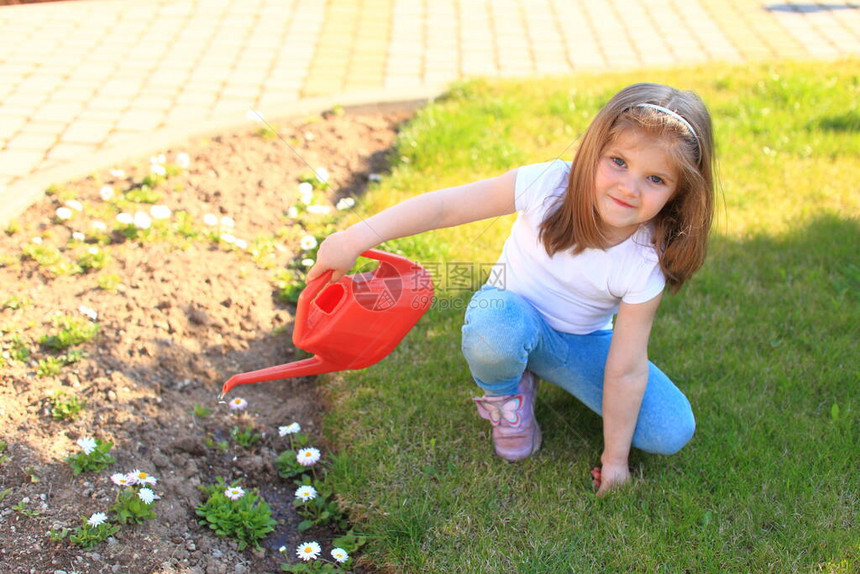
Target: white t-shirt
column 575, row 293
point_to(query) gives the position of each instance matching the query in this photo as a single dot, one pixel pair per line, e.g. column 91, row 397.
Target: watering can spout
column 304, row 368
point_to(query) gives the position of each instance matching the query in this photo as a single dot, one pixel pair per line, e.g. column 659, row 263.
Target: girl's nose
column 629, row 186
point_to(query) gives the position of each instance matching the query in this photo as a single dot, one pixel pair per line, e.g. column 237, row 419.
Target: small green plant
column 134, row 504
column 267, row 133
column 92, row 531
column 245, row 436
column 290, row 283
column 69, row 331
column 4, row 458
column 93, row 456
column 13, row 227
column 314, row 502
column 32, row 473
column 50, row 259
column 108, row 282
column 341, row 555
column 66, row 407
column 233, row 513
column 14, row 303
column 93, row 259
column 318, row 178
column 184, row 225
column 58, row 535
column 24, row 509
column 288, row 466
column 16, row 350
column 146, row 192
column 201, row 411
column 49, row 367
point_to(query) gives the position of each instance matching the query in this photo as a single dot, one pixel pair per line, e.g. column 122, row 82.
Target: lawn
column 764, row 341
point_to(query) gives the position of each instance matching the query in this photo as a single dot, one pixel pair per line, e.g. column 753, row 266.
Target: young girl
column 598, row 237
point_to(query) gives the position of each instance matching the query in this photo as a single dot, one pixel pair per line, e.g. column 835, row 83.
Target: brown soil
column 183, row 319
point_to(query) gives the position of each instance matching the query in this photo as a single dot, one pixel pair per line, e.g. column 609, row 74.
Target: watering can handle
column 307, row 295
column 396, row 260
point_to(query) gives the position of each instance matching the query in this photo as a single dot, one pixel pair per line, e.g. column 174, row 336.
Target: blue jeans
column 504, row 335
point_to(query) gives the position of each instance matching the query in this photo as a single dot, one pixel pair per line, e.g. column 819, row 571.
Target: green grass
column 763, row 341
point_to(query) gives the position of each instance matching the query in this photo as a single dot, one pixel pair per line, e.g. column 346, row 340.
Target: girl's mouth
column 621, row 203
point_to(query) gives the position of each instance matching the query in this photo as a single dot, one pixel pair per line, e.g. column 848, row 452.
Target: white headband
column 675, row 115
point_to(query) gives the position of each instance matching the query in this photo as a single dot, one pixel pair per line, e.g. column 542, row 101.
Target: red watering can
column 354, row 322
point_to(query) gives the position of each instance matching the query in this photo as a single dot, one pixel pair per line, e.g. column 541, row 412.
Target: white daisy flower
column 158, row 169
column 93, row 250
column 308, row 551
column 322, row 174
column 210, row 219
column 183, row 160
column 374, row 177
column 89, row 312
column 64, row 213
column 106, row 192
column 142, row 220
column 98, row 225
column 309, row 136
column 146, row 495
column 37, row 240
column 345, row 203
column 228, row 238
column 118, row 173
column 282, row 549
column 227, row 221
column 87, row 444
column 293, row 212
column 306, row 192
column 160, row 212
column 319, row 209
column 291, row 428
column 340, row 555
column 78, row 236
column 308, row 262
column 97, row 518
column 306, row 492
column 121, row 479
column 234, row 493
column 141, row 477
column 308, row 456
column 308, row 242
column 75, row 204
column 125, row 218
column 238, row 404
column 241, row 244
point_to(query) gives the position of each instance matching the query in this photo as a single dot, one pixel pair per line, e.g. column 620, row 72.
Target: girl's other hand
column 609, row 477
column 336, row 253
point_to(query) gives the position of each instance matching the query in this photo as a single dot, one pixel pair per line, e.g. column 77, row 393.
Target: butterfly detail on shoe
column 494, row 410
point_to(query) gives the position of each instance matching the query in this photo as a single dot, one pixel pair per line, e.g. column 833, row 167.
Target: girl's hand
column 336, row 253
column 609, row 477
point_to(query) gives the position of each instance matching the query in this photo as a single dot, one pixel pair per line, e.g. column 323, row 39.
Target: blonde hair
column 682, row 226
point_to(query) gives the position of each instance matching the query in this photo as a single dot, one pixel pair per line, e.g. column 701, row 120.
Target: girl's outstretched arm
column 433, row 210
column 624, row 383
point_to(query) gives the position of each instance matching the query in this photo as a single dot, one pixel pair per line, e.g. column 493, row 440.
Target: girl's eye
column 618, row 161
column 656, row 179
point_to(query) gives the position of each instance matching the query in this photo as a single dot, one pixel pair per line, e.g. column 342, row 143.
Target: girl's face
column 635, row 178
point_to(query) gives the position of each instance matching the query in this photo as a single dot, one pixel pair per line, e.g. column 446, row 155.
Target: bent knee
column 670, row 438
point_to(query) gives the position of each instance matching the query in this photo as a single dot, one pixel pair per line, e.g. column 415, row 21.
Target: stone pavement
column 85, row 84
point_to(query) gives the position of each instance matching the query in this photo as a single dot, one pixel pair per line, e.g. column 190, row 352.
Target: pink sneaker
column 516, row 434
